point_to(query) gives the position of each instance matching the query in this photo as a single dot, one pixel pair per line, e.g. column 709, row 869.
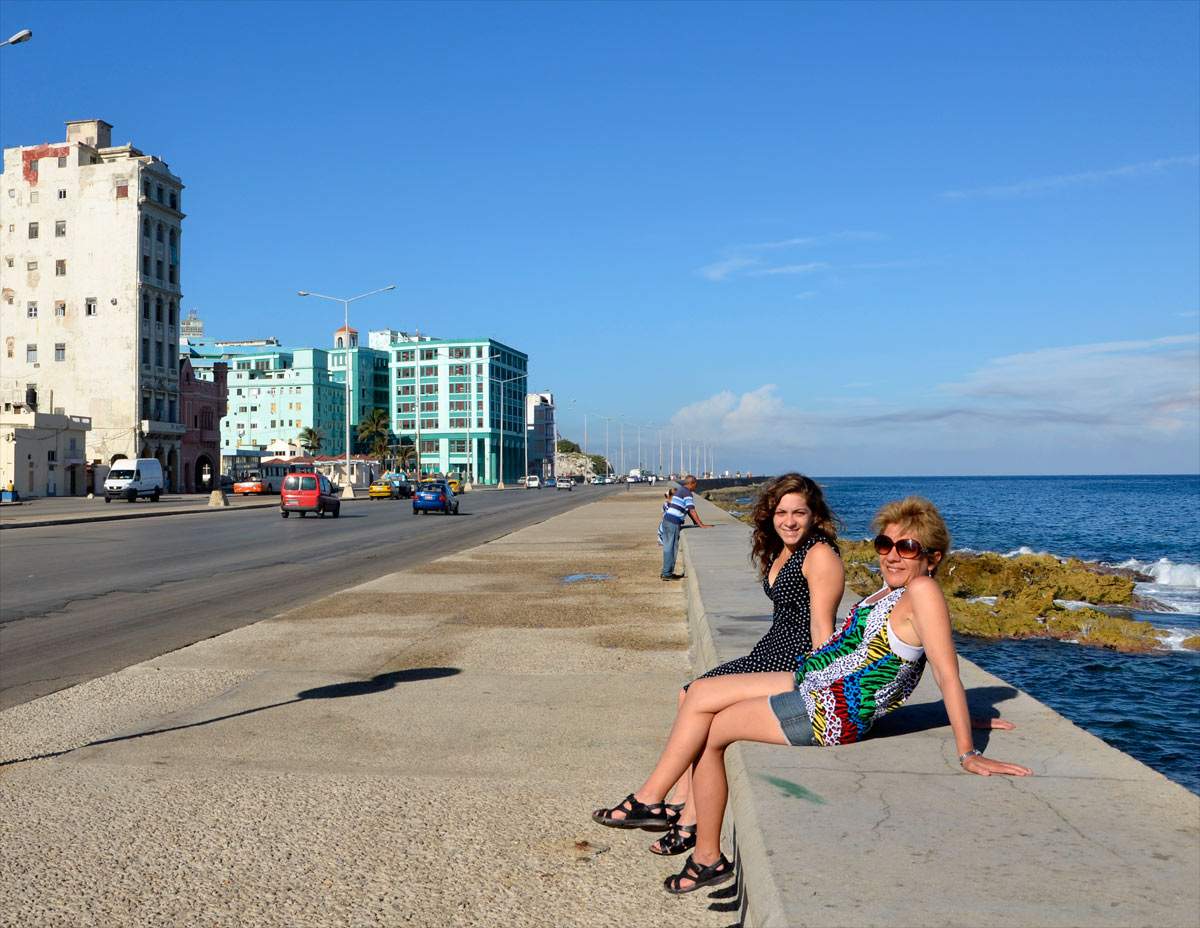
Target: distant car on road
column 305, row 493
column 400, row 480
column 551, row 482
column 435, row 496
column 566, row 483
column 254, row 483
column 383, row 489
column 533, row 482
column 597, row 480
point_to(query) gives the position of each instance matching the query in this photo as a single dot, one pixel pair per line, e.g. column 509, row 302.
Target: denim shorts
column 788, row 709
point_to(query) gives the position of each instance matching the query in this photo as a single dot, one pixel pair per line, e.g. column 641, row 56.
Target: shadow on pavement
column 377, row 684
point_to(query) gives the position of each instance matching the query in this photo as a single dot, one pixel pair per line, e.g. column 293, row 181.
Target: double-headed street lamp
column 348, row 491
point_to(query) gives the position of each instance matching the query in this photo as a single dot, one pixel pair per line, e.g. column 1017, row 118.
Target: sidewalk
column 892, row 832
column 67, row 510
column 425, row 749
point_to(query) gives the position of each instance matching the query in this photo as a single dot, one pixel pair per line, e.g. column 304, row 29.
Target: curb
column 120, row 516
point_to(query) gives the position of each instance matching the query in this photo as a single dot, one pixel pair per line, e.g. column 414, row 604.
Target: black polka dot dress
column 790, row 634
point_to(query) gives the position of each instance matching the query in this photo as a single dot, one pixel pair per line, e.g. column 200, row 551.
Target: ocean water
column 1144, row 705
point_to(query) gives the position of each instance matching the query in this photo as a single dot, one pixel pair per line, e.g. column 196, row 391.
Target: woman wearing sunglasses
column 794, row 548
column 869, row 667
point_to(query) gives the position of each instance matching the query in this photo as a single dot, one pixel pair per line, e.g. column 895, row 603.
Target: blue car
column 435, row 497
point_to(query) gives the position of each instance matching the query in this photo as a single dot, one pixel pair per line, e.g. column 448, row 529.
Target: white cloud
column 1131, row 407
column 1041, row 184
column 811, row 240
column 723, row 269
column 806, row 295
column 793, row 269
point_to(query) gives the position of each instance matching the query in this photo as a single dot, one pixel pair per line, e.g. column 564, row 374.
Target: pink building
column 202, row 405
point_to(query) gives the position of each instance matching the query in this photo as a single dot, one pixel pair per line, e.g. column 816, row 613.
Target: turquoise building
column 461, row 402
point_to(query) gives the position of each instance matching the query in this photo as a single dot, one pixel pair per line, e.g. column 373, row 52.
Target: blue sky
column 848, row 239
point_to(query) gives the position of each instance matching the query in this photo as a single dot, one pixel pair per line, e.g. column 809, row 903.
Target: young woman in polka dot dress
column 793, row 547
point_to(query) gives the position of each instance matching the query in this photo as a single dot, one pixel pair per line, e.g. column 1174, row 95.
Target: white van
column 129, row 479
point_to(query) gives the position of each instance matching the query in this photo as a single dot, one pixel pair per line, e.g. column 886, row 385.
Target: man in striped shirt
column 679, row 507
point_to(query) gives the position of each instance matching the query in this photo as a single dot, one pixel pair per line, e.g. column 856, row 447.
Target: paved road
column 80, row 601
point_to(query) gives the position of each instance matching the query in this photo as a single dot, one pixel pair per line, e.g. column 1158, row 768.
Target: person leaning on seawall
column 679, row 506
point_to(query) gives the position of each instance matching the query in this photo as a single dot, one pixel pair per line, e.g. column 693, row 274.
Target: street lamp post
column 348, row 491
column 500, row 482
column 23, row 36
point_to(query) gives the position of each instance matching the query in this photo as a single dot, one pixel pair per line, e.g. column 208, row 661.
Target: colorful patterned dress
column 859, row 675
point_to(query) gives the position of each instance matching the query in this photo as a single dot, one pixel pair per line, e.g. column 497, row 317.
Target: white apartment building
column 90, row 241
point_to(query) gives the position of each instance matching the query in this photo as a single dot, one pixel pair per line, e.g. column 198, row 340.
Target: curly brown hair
column 765, row 543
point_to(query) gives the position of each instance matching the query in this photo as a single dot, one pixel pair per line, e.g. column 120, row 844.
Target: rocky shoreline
column 1028, row 596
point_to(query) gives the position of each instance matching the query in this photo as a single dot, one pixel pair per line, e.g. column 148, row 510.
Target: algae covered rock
column 1090, row 626
column 1192, row 644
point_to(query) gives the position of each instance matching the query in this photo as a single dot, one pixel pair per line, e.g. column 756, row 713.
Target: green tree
column 375, row 428
column 568, row 447
column 311, row 439
column 599, row 463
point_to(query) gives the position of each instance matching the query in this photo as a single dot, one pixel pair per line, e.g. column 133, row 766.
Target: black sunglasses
column 905, row 547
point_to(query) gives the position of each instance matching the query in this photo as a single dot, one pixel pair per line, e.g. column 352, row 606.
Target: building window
column 158, row 232
column 146, row 351
column 33, row 166
column 159, row 193
column 174, row 200
column 90, row 306
column 146, row 191
column 60, row 308
column 171, row 274
column 62, row 161
column 145, row 228
column 31, row 354
column 60, row 228
column 33, row 196
column 428, row 354
column 429, row 371
column 158, row 269
column 62, row 193
column 158, row 304
column 122, row 191
column 31, row 309
column 145, row 306
column 33, row 230
column 146, row 265
column 60, row 268
column 60, row 351
column 31, row 265
column 8, row 259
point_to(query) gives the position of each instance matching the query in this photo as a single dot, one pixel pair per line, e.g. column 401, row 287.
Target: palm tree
column 311, row 439
column 375, row 427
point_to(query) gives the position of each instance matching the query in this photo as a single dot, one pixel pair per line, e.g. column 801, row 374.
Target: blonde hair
column 919, row 517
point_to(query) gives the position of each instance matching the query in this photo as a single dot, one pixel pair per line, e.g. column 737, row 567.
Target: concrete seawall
column 892, row 832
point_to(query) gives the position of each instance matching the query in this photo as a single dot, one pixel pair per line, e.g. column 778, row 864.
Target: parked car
column 404, row 489
column 566, row 483
column 305, row 493
column 454, row 484
column 383, row 489
column 435, row 496
column 130, row 479
column 533, row 482
column 254, row 483
column 596, row 480
column 521, row 481
column 551, row 482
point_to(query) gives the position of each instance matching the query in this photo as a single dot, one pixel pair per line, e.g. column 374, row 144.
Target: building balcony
column 161, row 429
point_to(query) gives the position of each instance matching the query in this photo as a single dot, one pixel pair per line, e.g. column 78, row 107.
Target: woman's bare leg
column 705, row 698
column 749, row 720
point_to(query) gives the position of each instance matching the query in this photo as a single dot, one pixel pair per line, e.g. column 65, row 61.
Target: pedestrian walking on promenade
column 679, row 506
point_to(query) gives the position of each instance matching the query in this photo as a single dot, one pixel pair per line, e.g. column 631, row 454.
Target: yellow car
column 454, row 484
column 383, row 489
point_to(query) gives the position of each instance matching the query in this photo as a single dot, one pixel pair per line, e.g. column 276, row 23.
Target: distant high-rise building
column 192, row 326
column 90, row 249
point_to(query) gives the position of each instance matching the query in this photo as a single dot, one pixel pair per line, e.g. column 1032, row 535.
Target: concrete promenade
column 892, row 831
column 425, row 749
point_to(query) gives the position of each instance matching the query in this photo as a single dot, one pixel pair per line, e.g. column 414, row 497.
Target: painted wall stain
column 37, row 154
column 792, row 790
